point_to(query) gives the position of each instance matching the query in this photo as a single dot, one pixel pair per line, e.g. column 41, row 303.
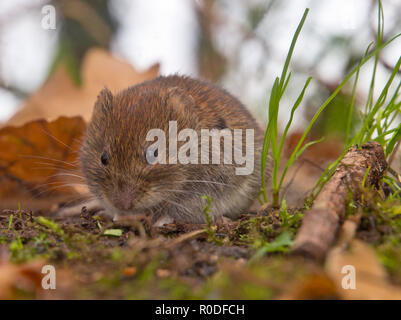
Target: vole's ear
column 104, row 102
column 181, row 101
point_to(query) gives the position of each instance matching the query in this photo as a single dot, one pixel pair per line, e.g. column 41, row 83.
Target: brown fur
column 129, row 185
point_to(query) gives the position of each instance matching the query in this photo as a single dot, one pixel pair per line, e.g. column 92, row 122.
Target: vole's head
column 115, row 154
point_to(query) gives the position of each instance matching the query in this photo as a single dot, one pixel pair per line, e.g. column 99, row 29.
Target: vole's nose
column 123, row 199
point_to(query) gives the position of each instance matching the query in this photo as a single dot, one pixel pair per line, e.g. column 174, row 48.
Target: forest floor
column 250, row 258
column 244, row 259
column 96, row 258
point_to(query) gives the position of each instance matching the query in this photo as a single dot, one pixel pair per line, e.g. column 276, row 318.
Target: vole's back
column 217, row 108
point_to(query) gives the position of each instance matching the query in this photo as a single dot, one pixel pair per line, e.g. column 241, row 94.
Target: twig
column 393, row 153
column 185, row 237
column 321, row 224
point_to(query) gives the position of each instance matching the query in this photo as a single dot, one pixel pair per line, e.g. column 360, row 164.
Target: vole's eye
column 151, row 155
column 104, row 158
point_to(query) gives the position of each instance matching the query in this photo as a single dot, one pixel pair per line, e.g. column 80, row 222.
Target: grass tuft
column 377, row 119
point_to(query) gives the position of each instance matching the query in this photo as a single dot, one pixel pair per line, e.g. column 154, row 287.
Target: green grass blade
column 294, row 108
column 292, row 46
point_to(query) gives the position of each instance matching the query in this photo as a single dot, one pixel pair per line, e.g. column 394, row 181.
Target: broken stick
column 321, row 224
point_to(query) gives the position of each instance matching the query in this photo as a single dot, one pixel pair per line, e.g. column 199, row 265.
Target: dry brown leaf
column 163, row 273
column 312, row 287
column 371, row 278
column 129, row 271
column 60, row 97
column 32, row 157
column 319, row 153
column 26, row 276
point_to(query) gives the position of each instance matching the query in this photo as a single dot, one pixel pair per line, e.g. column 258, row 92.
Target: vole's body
column 113, row 154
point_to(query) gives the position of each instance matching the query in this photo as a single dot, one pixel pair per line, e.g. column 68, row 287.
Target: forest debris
column 163, row 273
column 33, row 156
column 185, row 237
column 26, row 276
column 348, row 230
column 352, row 271
column 29, row 277
column 129, row 271
column 113, row 232
column 355, row 261
column 358, row 263
column 311, row 287
column 321, row 224
column 318, row 154
column 179, row 227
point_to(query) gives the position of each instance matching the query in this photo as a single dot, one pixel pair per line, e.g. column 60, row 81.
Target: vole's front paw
column 165, row 219
column 76, row 210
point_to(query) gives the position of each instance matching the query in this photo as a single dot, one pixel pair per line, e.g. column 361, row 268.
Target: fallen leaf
column 40, row 157
column 371, row 281
column 129, row 271
column 312, row 287
column 163, row 273
column 113, row 232
column 319, row 153
column 26, row 277
column 60, row 97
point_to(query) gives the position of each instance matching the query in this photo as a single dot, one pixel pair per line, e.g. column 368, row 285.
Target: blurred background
column 240, row 44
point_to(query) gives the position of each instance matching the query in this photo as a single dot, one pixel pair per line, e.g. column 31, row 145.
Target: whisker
column 57, row 187
column 53, row 137
column 82, row 199
column 178, row 205
column 201, row 181
column 50, row 159
column 57, row 183
column 180, row 191
column 208, row 181
column 50, row 166
column 66, row 174
column 191, row 192
column 46, row 168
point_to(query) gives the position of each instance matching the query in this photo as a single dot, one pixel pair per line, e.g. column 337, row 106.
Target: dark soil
column 174, row 261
